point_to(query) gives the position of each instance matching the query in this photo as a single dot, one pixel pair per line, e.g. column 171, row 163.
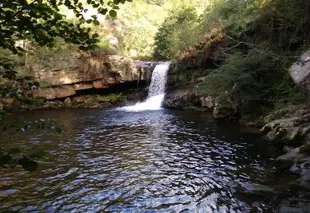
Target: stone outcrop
column 300, row 72
column 86, row 69
column 288, row 126
column 54, row 93
column 221, row 107
column 88, row 72
column 208, row 102
column 181, row 99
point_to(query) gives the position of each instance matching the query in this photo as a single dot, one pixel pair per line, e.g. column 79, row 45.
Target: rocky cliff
column 88, row 72
column 300, row 72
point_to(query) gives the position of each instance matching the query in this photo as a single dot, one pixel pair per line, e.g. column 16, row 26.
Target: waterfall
column 156, row 93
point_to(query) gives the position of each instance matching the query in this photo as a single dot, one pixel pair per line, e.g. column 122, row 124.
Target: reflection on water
column 155, row 161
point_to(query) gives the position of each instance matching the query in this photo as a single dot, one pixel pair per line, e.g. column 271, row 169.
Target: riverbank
column 90, row 101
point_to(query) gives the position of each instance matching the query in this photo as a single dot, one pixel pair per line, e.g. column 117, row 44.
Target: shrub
column 178, row 31
column 257, row 80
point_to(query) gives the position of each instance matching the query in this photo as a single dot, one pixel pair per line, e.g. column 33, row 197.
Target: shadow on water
column 150, row 161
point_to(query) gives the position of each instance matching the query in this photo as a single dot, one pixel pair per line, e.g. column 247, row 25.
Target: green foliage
column 105, row 98
column 42, row 21
column 179, row 30
column 243, row 48
column 234, row 14
column 256, row 80
column 28, row 25
column 136, row 26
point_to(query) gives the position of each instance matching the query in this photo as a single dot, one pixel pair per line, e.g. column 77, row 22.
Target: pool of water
column 151, row 161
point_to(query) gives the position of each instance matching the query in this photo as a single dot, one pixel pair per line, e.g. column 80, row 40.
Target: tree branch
column 253, row 46
column 17, row 12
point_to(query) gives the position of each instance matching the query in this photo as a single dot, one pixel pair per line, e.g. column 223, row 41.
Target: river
column 149, row 161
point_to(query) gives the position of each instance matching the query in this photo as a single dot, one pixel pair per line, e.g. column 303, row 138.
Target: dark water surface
column 155, row 161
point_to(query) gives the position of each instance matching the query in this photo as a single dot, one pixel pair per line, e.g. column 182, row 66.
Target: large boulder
column 225, row 107
column 254, row 189
column 181, row 99
column 208, row 102
column 300, row 72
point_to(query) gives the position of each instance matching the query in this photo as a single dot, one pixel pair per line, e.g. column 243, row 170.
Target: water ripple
column 113, row 161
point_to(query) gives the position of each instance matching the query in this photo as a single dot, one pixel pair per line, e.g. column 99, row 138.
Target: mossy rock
column 112, row 98
column 296, row 138
column 252, row 190
column 305, row 149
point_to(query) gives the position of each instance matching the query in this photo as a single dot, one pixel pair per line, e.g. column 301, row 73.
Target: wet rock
column 253, row 189
column 290, row 126
column 223, row 112
column 83, row 86
column 296, row 161
column 68, row 102
column 224, row 109
column 289, row 209
column 305, row 149
column 172, row 79
column 285, row 162
column 207, row 102
column 181, row 99
column 300, row 72
column 100, row 84
column 54, row 104
column 80, row 99
column 294, row 205
column 94, row 105
column 111, row 80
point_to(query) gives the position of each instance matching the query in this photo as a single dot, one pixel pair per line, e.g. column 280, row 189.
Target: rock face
column 252, row 189
column 87, row 68
column 181, row 99
column 289, row 128
column 89, row 72
column 186, row 98
column 54, row 93
column 300, row 72
column 208, row 102
column 292, row 128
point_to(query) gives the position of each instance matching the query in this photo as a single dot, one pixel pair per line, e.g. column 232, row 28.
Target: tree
column 42, row 21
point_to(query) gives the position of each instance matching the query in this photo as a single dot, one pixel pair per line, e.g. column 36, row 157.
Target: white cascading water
column 156, row 90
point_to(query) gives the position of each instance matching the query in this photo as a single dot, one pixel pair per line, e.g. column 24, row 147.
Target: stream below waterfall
column 150, row 161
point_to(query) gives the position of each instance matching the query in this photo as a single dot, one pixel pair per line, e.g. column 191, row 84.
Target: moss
column 112, row 98
column 35, row 102
column 305, row 149
column 295, row 134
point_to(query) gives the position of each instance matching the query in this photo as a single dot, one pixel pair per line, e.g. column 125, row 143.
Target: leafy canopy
column 42, row 21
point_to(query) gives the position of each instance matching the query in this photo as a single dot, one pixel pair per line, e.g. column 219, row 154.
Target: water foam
column 156, row 93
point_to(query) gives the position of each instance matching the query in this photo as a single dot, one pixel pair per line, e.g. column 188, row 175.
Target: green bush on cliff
column 179, row 30
column 254, row 79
